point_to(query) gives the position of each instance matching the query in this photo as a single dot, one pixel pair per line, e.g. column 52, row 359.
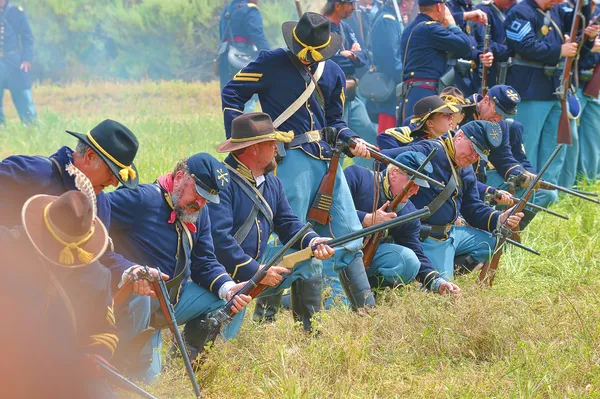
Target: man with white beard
column 163, row 226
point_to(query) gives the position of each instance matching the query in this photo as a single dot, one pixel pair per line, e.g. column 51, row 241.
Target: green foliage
column 133, row 39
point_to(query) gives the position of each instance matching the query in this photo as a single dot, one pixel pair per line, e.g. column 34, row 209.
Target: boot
column 306, row 299
column 464, row 264
column 529, row 215
column 356, row 285
column 266, row 308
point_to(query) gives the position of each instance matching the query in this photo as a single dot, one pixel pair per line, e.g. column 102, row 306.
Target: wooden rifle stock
column 486, row 49
column 592, row 89
column 564, row 125
column 321, row 204
column 298, row 8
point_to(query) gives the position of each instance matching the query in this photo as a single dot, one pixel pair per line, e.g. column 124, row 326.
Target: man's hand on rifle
column 596, row 48
column 274, row 275
column 503, row 198
column 477, row 16
column 381, row 215
column 450, row 288
column 240, row 301
column 568, row 49
column 144, row 287
column 592, row 31
column 512, row 221
column 527, row 179
column 487, row 59
column 360, row 150
column 323, row 251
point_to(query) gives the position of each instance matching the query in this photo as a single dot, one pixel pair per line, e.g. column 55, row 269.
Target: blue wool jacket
column 361, row 182
column 516, row 145
column 23, row 176
column 141, row 232
column 349, row 39
column 245, row 22
column 465, row 200
column 228, row 216
column 278, row 84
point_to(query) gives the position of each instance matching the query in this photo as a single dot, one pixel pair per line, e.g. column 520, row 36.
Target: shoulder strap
column 310, row 80
column 255, row 195
column 408, row 42
column 244, row 230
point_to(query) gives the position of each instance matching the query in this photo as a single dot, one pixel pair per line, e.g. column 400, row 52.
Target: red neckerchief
column 166, row 182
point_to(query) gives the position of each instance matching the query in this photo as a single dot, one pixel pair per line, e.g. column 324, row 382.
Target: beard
column 271, row 166
column 187, row 214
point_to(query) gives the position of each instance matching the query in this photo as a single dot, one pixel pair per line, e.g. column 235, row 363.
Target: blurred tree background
column 136, row 39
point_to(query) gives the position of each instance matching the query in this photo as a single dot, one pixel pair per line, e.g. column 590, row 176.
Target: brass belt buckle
column 313, row 135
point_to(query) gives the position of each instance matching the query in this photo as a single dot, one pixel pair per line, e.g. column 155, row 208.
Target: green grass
column 536, row 334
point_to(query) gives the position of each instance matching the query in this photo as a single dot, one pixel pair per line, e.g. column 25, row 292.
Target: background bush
column 133, row 39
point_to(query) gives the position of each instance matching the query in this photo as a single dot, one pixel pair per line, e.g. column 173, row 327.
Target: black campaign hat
column 311, row 38
column 117, row 146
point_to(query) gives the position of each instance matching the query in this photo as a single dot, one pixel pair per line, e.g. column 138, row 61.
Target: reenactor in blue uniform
column 387, row 59
column 496, row 14
column 104, row 155
column 400, row 260
column 466, row 69
column 51, row 262
column 452, row 166
column 425, row 46
column 350, row 57
column 283, row 80
column 16, row 55
column 242, row 38
column 535, row 33
column 589, row 135
column 252, row 207
column 164, row 226
column 432, row 118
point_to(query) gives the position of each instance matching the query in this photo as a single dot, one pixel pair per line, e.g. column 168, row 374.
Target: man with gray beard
column 163, row 225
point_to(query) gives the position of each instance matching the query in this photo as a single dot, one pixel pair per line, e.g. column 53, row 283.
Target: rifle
column 160, row 288
column 298, row 8
column 116, row 379
column 321, row 205
column 486, row 49
column 592, row 89
column 490, row 199
column 373, row 241
column 211, row 325
column 518, row 181
column 564, row 125
column 503, row 232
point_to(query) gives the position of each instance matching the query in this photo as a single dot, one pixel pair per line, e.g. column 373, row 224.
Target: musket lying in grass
column 211, row 324
column 491, row 199
column 519, row 180
column 117, row 380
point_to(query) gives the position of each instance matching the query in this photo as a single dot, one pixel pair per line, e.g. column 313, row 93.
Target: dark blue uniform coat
column 16, row 46
column 348, row 39
column 228, row 216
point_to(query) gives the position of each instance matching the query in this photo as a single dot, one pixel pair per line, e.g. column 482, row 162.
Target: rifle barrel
column 588, row 193
column 519, row 245
column 550, row 186
column 122, row 382
column 542, row 209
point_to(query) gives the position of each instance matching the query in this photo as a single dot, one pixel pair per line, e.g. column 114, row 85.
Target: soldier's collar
column 241, row 168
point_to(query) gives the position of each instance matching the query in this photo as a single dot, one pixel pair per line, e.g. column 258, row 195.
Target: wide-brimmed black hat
column 117, row 146
column 453, row 95
column 250, row 129
column 426, row 107
column 64, row 229
column 311, row 38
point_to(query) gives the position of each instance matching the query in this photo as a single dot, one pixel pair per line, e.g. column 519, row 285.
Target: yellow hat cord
column 450, row 99
column 284, row 137
column 316, row 55
column 448, row 144
column 66, row 255
column 126, row 172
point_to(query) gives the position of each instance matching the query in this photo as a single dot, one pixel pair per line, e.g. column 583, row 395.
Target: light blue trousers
column 392, row 265
column 135, row 316
column 301, row 175
column 540, row 120
column 462, row 240
column 589, row 137
column 302, row 270
column 357, row 118
column 23, row 103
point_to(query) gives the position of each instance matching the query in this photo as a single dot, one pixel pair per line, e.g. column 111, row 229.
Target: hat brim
column 501, row 112
column 32, row 217
column 481, row 154
column 114, row 168
column 214, row 198
column 327, row 52
column 229, row 146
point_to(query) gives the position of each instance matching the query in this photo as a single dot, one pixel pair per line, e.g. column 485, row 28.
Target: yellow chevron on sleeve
column 430, row 22
column 389, row 16
column 402, row 134
column 108, row 340
column 252, row 5
column 247, row 76
column 343, row 97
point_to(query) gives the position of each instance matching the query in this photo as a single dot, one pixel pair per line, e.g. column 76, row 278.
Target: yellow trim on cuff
column 240, row 265
column 232, row 109
column 490, row 219
column 514, row 166
column 302, row 240
column 216, row 278
column 426, row 277
column 487, row 189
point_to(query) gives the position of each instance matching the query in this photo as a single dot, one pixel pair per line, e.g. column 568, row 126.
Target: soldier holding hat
column 252, row 207
column 400, row 260
column 65, row 322
column 104, row 156
column 432, row 118
column 452, row 166
column 303, row 92
column 164, row 225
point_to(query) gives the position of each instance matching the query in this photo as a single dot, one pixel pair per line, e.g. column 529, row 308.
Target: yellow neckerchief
column 66, row 256
column 314, row 53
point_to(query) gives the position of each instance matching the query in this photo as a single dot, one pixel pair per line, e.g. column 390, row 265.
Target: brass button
column 412, row 74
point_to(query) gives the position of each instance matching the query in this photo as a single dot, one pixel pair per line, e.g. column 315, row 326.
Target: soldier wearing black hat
column 104, row 156
column 164, row 226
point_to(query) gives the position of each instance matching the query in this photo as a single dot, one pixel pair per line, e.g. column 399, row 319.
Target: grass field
column 536, row 334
